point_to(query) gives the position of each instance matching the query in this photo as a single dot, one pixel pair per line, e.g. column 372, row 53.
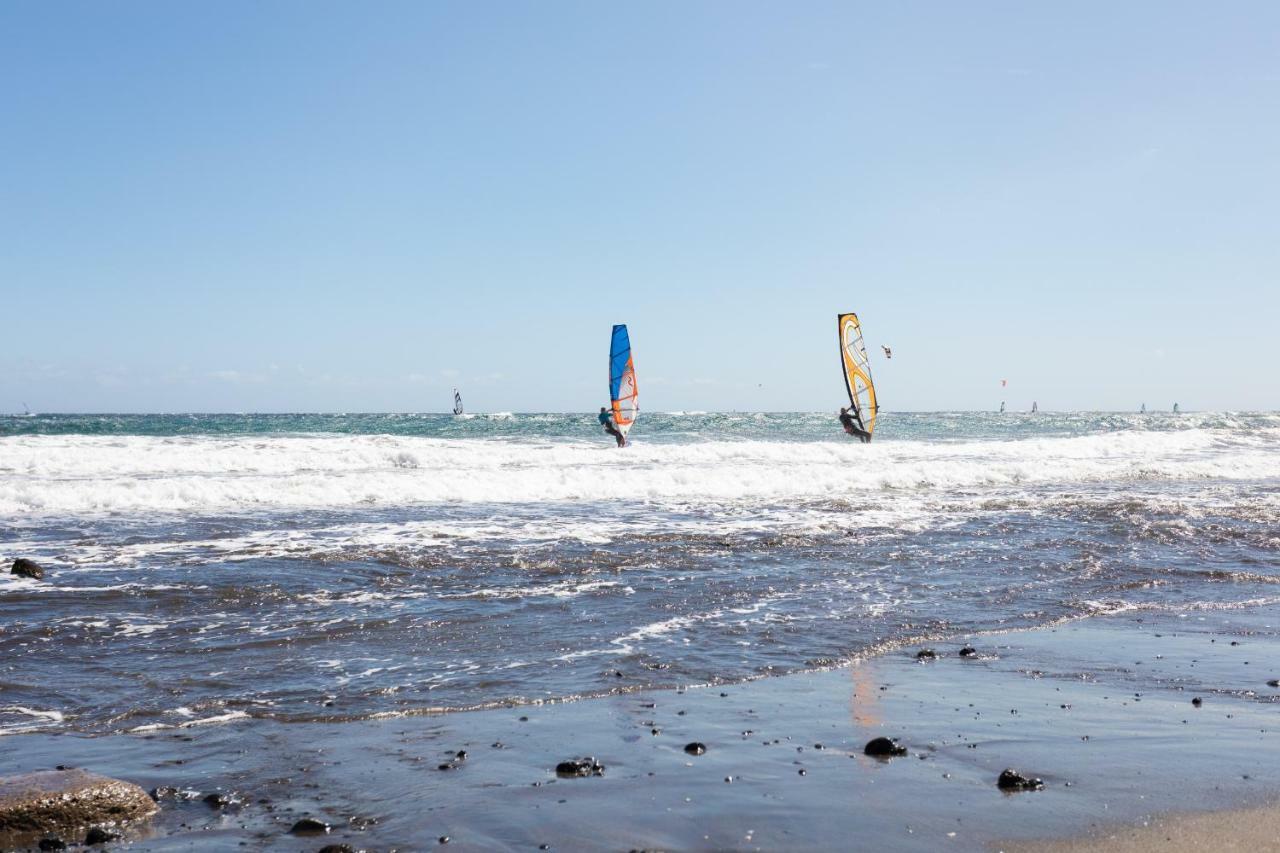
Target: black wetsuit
column 851, row 427
column 607, row 423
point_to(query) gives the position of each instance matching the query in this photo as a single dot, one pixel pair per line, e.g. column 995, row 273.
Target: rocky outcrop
column 24, row 568
column 65, row 802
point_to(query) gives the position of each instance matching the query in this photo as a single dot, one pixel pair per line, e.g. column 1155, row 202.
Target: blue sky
column 347, row 206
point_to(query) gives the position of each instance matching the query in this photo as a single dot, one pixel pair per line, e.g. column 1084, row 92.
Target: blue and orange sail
column 622, row 380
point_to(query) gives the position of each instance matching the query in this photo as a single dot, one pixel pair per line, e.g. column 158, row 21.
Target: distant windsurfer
column 888, row 353
column 606, row 421
column 851, row 426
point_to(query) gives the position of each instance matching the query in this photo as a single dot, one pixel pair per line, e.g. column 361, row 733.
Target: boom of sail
column 857, row 372
column 457, row 402
column 623, row 393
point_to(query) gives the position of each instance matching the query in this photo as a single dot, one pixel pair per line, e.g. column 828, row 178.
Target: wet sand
column 1243, row 831
column 1100, row 709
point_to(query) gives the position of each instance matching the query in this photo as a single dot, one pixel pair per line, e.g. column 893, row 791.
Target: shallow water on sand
column 303, row 567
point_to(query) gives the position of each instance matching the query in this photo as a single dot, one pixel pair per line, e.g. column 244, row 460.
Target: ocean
column 207, row 568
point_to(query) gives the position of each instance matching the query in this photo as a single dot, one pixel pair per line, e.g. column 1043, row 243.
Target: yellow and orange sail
column 857, row 372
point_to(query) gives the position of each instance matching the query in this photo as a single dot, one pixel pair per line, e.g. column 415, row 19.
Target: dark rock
column 695, row 748
column 52, row 844
column 926, row 654
column 444, row 839
column 24, row 568
column 337, row 848
column 884, row 747
column 1275, row 682
column 968, row 652
column 309, row 826
column 98, row 835
column 579, row 767
column 1012, row 780
column 65, row 802
column 217, row 800
column 1197, row 701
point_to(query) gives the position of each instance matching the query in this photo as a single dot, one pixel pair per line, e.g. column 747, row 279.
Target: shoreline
column 1054, row 703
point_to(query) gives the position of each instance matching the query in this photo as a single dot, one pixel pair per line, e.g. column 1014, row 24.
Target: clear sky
column 296, row 206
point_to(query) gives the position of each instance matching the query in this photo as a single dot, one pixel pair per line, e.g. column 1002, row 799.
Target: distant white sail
column 457, row 402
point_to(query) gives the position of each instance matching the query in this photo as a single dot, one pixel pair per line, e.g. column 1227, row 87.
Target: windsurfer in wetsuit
column 606, row 421
column 851, row 426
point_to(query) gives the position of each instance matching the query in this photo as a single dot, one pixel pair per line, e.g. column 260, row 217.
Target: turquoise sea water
column 657, row 426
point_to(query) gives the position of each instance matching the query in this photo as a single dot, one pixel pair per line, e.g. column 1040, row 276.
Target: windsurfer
column 851, row 427
column 606, row 421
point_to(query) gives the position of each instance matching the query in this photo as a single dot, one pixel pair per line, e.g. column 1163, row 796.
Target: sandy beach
column 783, row 767
column 1227, row 831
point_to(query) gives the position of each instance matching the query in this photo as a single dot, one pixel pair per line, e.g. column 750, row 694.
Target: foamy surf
column 80, row 475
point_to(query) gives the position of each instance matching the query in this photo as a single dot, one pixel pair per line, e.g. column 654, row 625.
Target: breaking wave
column 59, row 475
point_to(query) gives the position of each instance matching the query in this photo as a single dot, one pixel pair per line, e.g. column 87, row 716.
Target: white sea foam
column 217, row 719
column 63, row 475
column 28, row 719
